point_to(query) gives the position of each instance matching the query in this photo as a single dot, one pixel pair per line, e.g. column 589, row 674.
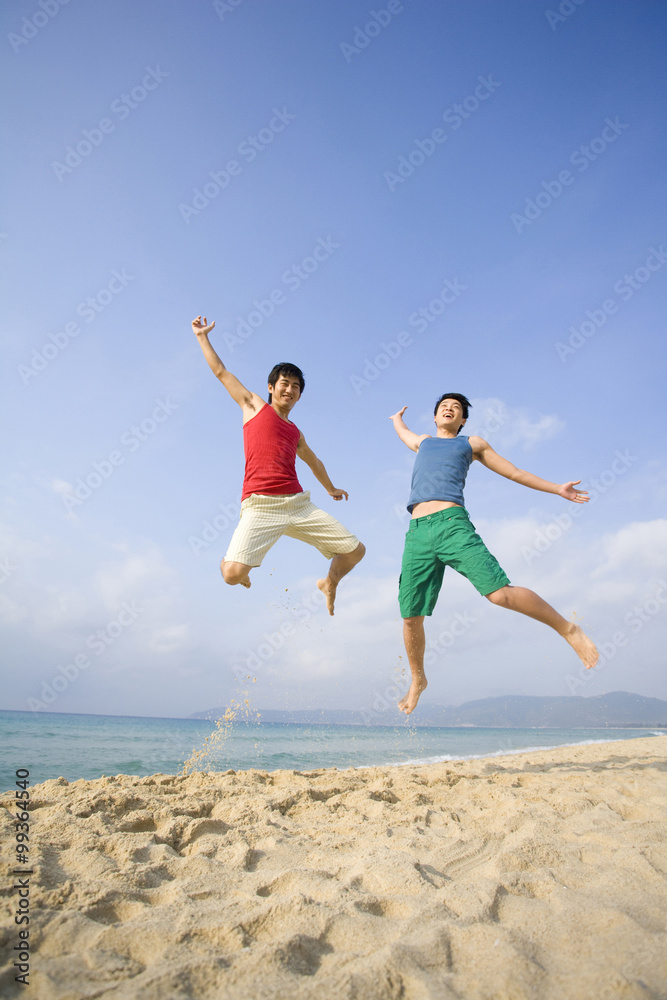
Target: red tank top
column 270, row 446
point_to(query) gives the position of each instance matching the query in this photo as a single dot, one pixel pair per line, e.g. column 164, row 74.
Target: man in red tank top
column 273, row 502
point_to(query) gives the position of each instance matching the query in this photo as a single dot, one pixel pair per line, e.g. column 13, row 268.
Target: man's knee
column 415, row 622
column 351, row 559
column 499, row 597
column 233, row 572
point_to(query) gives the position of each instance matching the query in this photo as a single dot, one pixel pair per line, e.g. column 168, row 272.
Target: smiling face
column 449, row 416
column 285, row 392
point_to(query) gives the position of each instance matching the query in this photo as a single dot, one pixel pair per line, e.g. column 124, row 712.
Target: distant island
column 620, row 709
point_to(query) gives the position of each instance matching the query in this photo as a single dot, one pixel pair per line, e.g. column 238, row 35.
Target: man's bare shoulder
column 478, row 444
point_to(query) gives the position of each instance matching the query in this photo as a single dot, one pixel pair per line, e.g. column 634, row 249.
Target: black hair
column 285, row 368
column 463, row 400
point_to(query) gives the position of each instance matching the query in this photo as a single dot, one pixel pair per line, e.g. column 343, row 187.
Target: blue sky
column 485, row 184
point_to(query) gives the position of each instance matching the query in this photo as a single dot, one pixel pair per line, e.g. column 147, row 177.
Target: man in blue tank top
column 441, row 535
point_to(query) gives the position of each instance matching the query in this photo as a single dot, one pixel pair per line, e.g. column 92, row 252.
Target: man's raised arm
column 246, row 399
column 407, row 436
column 485, row 454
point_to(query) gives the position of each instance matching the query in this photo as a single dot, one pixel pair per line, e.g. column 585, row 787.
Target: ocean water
column 51, row 745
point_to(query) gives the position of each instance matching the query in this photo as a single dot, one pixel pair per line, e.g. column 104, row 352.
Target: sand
column 540, row 875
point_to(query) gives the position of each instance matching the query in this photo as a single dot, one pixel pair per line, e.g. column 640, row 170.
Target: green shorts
column 446, row 538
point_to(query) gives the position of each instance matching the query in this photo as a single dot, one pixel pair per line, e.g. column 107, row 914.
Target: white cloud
column 133, row 575
column 59, row 607
column 506, row 426
column 641, row 545
column 169, row 638
column 20, row 549
column 11, row 613
column 62, row 487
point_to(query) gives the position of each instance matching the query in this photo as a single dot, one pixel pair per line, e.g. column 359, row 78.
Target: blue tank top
column 440, row 470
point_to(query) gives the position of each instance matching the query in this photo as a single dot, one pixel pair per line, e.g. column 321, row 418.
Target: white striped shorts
column 264, row 519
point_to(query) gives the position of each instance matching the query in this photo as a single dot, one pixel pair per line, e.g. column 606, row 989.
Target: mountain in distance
column 620, row 709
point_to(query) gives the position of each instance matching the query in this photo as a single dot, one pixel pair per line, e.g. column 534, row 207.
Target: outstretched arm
column 247, row 400
column 406, row 435
column 318, row 470
column 485, row 454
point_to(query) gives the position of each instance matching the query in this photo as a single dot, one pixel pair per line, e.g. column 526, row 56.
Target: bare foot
column 409, row 703
column 246, row 582
column 329, row 590
column 583, row 646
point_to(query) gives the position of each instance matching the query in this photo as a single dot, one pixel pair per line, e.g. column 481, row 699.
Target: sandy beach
column 538, row 875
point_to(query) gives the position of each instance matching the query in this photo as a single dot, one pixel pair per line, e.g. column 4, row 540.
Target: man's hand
column 398, row 415
column 337, row 494
column 200, row 327
column 568, row 491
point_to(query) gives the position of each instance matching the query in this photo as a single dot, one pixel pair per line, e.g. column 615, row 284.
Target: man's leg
column 340, row 567
column 415, row 644
column 422, row 573
column 527, row 602
column 475, row 562
column 235, row 572
column 262, row 522
column 317, row 527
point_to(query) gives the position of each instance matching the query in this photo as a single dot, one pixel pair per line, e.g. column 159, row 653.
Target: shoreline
column 92, row 751
column 518, row 751
column 532, row 874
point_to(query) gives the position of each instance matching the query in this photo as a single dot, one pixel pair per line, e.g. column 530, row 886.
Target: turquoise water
column 53, row 744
